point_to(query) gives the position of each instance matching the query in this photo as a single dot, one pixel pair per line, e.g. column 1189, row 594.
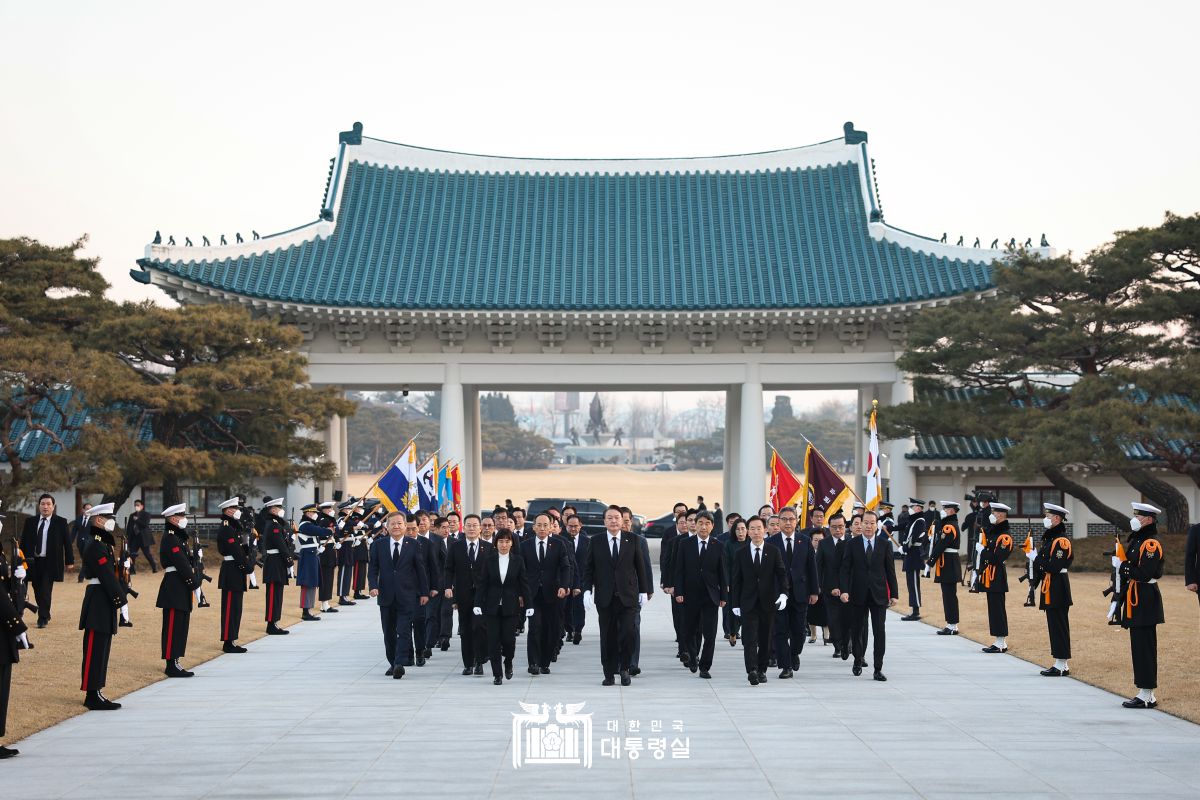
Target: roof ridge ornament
column 853, row 136
column 352, row 136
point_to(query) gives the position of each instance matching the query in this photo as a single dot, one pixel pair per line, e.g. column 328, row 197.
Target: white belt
column 94, row 581
column 305, row 547
column 272, row 552
column 1152, row 580
column 168, row 569
column 1063, row 571
column 227, row 558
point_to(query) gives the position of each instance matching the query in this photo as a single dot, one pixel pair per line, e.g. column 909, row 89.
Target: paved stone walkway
column 312, row 715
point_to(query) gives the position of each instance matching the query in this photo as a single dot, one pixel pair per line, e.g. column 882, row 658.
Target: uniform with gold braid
column 1051, row 576
column 1142, row 610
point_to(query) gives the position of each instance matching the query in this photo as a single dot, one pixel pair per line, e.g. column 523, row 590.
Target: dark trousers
column 274, row 602
column 5, row 683
column 997, row 613
column 96, row 647
column 446, row 615
column 575, row 614
column 731, row 625
column 420, row 619
column 839, row 623
column 1143, row 645
column 345, row 580
column 913, row 577
column 617, row 636
column 1059, row 625
column 231, row 615
column 791, row 632
column 360, row 576
column 700, row 630
column 501, row 632
column 396, row 620
column 143, row 548
column 635, row 654
column 677, row 624
column 42, row 579
column 433, row 620
column 325, row 594
column 858, row 627
column 756, row 637
column 472, row 636
column 176, row 623
column 950, row 601
column 542, row 641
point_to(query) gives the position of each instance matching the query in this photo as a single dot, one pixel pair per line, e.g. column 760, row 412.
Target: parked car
column 663, row 467
column 655, row 528
column 590, row 511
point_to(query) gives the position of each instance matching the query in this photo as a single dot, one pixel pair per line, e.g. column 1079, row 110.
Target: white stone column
column 726, row 458
column 752, row 447
column 333, row 452
column 902, row 475
column 472, row 467
column 453, row 421
column 343, row 479
column 733, row 452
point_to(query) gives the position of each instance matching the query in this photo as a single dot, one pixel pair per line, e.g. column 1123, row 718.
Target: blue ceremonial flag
column 396, row 487
column 445, row 489
column 427, row 484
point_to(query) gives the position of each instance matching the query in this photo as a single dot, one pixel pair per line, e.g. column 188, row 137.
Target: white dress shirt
column 503, row 567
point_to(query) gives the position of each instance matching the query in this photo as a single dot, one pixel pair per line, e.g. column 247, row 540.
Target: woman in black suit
column 502, row 595
column 738, row 537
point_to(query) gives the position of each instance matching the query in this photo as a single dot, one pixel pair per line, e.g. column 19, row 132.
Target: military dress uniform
column 993, row 579
column 308, row 566
column 11, row 628
column 1051, row 574
column 277, row 559
column 98, row 614
column 947, row 571
column 914, row 542
column 1141, row 611
column 326, row 557
column 236, row 562
column 175, row 594
column 345, row 535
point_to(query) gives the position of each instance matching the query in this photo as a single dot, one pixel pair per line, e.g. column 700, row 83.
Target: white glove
column 528, row 613
column 200, row 552
column 587, row 600
column 1032, row 555
column 19, row 573
column 1116, row 562
column 127, row 564
column 23, row 639
column 781, row 602
column 291, row 572
column 641, row 599
column 978, row 547
column 337, row 546
column 737, row 612
column 477, row 611
column 320, row 549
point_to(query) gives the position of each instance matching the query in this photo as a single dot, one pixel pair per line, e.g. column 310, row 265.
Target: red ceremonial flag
column 824, row 487
column 785, row 486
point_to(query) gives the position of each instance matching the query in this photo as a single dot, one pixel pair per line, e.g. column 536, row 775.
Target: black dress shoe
column 692, row 667
column 420, row 661
column 625, row 679
column 910, row 617
column 635, row 671
column 445, row 645
column 879, row 676
column 1136, row 702
column 124, row 624
column 947, row 632
column 576, row 638
column 993, row 649
column 545, row 670
column 361, row 596
column 204, row 604
column 1055, row 672
column 275, row 630
column 785, row 673
column 389, row 672
column 467, row 670
column 230, row 647
column 8, row 752
column 857, row 670
column 330, row 610
column 398, row 672
column 508, row 671
column 753, row 678
column 308, row 616
column 173, row 670
column 705, row 674
column 770, row 662
column 762, row 677
column 608, row 681
column 498, row 680
column 533, row 670
column 95, row 701
column 347, row 603
column 479, row 669
column 41, row 623
column 795, row 662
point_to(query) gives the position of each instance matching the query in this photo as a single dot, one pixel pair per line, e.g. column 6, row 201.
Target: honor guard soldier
column 943, row 558
column 308, row 567
column 277, row 559
column 1050, row 572
column 101, row 600
column 362, row 555
column 326, row 556
column 236, row 562
column 913, row 542
column 1141, row 611
column 993, row 574
column 344, row 534
column 12, row 631
column 175, row 592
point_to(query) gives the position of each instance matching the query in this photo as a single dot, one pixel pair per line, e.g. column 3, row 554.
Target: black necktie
column 757, row 557
column 472, row 552
column 868, row 549
column 614, row 544
column 789, row 549
column 395, row 554
column 703, row 542
column 542, row 550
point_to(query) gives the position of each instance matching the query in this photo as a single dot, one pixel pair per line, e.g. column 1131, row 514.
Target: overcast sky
column 985, row 119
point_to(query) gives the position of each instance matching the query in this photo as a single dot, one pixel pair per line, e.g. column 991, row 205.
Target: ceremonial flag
column 823, row 487
column 874, row 477
column 445, row 492
column 427, row 484
column 456, row 484
column 397, row 486
column 785, row 486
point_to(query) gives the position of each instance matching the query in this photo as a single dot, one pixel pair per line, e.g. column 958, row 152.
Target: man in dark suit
column 463, row 560
column 79, row 535
column 548, row 567
column 684, row 519
column 699, row 585
column 575, row 613
column 437, row 550
column 1191, row 560
column 616, row 581
column 502, row 597
column 759, row 589
column 868, row 586
column 137, row 532
column 45, row 542
column 830, row 553
column 648, row 565
column 397, row 577
column 791, row 624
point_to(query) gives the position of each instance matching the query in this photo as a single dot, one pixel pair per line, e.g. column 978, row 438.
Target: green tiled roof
column 414, row 238
column 63, row 414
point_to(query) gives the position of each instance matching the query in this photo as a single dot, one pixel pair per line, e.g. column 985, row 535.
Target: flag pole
column 391, row 464
column 831, row 466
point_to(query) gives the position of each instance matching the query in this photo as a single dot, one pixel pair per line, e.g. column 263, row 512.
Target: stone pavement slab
column 312, row 715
